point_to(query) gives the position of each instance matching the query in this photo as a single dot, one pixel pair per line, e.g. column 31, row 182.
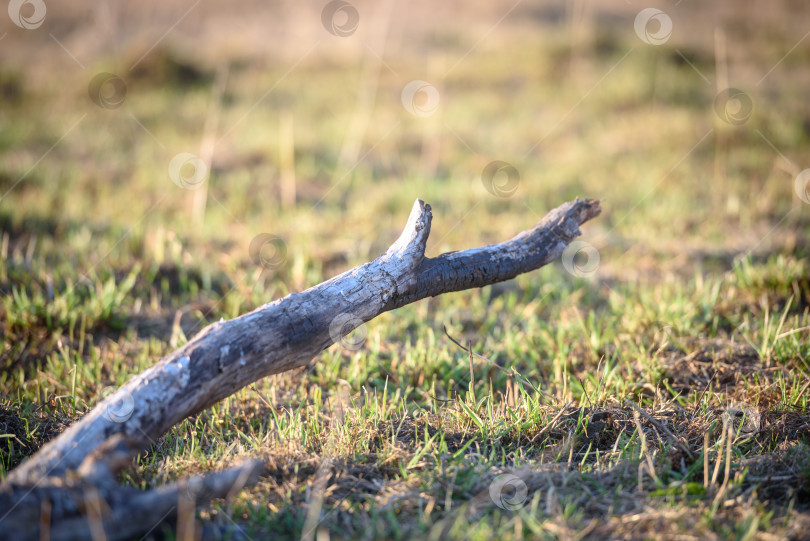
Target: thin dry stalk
column 721, row 140
column 185, row 516
column 719, row 453
column 200, row 195
column 45, row 520
column 616, row 443
column 286, row 158
column 706, row 459
column 644, row 449
column 724, row 486
column 94, row 514
column 585, row 393
column 367, row 91
column 472, row 373
column 315, row 503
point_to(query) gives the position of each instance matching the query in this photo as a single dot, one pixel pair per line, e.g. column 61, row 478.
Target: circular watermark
column 120, row 409
column 420, row 98
column 268, row 251
column 802, row 186
column 508, row 491
column 107, row 90
column 348, row 330
column 733, row 106
column 746, row 420
column 653, row 26
column 34, row 14
column 188, row 171
column 500, row 178
column 340, row 18
column 581, row 259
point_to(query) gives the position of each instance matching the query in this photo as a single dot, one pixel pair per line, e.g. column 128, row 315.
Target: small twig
column 443, row 400
column 469, row 350
column 770, row 478
column 553, row 423
column 510, row 373
column 661, row 427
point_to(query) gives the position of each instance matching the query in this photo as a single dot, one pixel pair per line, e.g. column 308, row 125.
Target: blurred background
column 234, row 153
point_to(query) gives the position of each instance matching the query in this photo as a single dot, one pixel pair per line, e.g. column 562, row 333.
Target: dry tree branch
column 226, row 356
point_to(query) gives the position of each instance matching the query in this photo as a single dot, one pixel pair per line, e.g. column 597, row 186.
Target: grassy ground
column 662, row 395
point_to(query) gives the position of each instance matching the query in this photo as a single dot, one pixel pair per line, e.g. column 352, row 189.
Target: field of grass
column 660, row 391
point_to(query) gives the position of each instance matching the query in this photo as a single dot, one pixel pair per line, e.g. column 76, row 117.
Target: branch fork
column 69, row 474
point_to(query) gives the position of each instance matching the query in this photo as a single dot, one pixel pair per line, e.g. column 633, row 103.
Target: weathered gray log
column 75, row 508
column 285, row 334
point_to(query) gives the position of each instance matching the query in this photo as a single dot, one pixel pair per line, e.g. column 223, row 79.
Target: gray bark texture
column 226, row 356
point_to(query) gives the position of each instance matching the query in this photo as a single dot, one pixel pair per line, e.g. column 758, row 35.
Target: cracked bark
column 226, row 356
